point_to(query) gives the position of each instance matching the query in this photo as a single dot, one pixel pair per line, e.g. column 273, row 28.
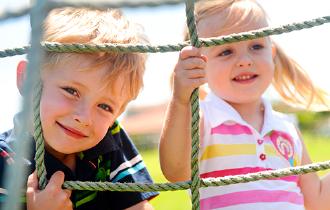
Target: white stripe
column 258, row 185
column 228, row 162
column 241, row 161
column 230, row 139
column 3, row 191
column 126, row 164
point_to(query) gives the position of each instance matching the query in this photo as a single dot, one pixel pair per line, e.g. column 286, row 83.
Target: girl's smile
column 245, row 78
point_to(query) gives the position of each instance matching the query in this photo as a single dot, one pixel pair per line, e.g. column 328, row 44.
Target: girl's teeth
column 244, row 77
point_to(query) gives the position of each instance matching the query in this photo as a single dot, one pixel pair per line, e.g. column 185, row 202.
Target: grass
column 318, row 148
column 174, row 200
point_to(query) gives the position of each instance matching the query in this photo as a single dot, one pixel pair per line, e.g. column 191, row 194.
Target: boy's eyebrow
column 113, row 102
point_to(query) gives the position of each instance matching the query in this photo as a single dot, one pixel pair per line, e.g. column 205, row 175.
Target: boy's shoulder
column 5, row 147
column 6, row 156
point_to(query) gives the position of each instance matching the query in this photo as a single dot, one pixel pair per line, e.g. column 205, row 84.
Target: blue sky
column 165, row 25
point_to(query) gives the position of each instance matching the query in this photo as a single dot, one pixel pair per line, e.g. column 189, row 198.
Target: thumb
column 56, row 181
column 32, row 182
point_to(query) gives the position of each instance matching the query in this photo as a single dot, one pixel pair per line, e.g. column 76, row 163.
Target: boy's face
column 77, row 107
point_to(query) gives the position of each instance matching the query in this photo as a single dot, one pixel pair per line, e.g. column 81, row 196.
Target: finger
column 189, row 51
column 195, row 73
column 68, row 192
column 193, row 63
column 198, row 82
column 56, row 181
column 32, row 182
column 69, row 206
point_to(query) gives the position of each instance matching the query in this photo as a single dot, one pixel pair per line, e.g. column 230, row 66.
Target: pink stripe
column 235, row 129
column 248, row 197
column 245, row 170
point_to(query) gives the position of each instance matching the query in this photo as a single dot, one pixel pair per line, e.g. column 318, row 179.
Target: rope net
column 39, row 11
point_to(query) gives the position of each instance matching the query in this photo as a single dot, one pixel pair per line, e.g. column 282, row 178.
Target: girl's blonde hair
column 97, row 26
column 290, row 80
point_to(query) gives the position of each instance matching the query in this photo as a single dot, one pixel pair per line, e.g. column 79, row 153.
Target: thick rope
column 38, row 14
column 116, row 4
column 39, row 139
column 194, row 101
column 34, row 57
column 210, row 182
column 205, row 42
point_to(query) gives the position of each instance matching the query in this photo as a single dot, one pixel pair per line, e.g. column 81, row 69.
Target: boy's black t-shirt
column 114, row 159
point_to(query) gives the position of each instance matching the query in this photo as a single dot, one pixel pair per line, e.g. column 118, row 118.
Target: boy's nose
column 83, row 116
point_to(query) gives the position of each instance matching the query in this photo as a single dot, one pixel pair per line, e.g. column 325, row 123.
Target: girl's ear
column 20, row 75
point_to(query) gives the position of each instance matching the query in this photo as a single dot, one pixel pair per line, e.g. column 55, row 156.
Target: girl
column 240, row 133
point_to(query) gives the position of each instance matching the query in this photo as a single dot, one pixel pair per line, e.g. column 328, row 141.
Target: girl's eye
column 226, row 53
column 257, row 47
column 105, row 107
column 71, row 91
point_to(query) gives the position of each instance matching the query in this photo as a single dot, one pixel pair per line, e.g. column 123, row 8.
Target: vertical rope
column 35, row 57
column 16, row 174
column 194, row 101
column 38, row 137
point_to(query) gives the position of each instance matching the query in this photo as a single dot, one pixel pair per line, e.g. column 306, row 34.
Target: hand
column 189, row 73
column 53, row 197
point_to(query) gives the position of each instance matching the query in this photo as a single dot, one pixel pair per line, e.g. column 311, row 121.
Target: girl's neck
column 252, row 113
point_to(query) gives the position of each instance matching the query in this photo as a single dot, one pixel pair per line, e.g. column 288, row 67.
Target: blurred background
column 164, row 25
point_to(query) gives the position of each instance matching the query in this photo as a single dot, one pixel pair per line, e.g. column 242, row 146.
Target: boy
column 82, row 96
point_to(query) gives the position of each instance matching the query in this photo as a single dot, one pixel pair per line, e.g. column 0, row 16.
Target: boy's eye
column 257, row 46
column 226, row 52
column 106, row 107
column 71, row 91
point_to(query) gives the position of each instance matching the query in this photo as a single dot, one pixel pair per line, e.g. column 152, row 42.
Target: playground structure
column 39, row 12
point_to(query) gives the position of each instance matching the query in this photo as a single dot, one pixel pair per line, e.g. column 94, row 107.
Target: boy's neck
column 68, row 160
column 252, row 113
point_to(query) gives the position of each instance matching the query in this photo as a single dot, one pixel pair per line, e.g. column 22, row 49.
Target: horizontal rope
column 15, row 51
column 209, row 182
column 206, row 42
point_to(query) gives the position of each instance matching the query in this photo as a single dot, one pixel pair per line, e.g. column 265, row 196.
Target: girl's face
column 239, row 72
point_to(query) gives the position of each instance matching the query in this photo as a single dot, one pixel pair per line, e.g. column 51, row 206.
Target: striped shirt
column 230, row 146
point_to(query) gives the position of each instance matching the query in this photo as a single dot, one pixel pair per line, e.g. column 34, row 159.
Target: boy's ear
column 21, row 75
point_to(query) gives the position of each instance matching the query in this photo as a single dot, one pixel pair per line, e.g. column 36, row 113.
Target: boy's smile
column 72, row 132
column 78, row 105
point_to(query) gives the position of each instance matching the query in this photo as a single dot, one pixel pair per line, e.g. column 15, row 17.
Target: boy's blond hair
column 290, row 80
column 97, row 26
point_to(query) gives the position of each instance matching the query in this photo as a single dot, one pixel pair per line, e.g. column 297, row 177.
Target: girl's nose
column 244, row 61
